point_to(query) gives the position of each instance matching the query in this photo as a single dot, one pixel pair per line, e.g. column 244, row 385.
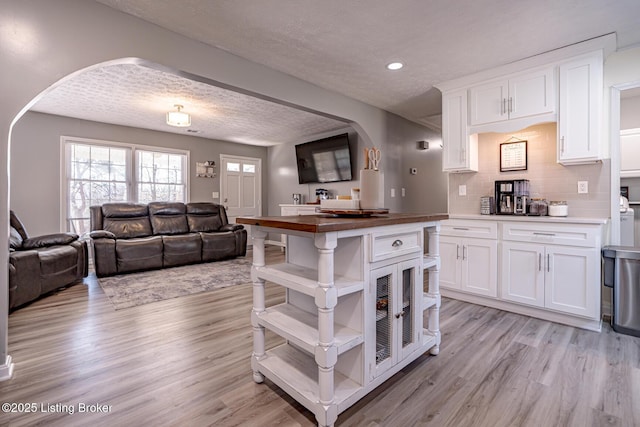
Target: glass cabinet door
column 383, row 317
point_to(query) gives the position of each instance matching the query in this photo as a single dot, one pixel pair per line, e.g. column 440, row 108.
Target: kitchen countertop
column 544, row 219
column 322, row 223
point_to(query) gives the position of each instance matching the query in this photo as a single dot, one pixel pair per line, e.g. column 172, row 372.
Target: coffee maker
column 511, row 197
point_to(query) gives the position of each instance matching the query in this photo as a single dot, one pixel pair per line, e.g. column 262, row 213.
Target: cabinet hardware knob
column 397, row 243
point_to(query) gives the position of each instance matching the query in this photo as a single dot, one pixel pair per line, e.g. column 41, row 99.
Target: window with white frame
column 98, row 172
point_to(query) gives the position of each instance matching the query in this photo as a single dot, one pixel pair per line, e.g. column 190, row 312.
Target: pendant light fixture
column 178, row 118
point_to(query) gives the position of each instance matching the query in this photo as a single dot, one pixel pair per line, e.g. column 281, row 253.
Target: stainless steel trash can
column 622, row 273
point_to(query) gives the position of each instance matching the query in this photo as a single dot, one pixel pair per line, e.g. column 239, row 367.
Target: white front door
column 241, row 187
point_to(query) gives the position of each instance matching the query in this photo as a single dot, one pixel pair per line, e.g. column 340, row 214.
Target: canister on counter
column 538, row 207
column 487, row 205
column 558, row 208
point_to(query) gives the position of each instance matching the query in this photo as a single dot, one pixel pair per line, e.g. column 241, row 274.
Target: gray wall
column 425, row 192
column 35, row 162
column 630, row 113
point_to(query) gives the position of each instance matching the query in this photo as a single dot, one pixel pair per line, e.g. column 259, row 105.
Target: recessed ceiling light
column 395, row 66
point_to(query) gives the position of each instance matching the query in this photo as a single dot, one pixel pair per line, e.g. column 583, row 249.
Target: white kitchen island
column 355, row 311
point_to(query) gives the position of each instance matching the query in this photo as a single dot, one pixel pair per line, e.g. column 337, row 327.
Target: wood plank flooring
column 185, row 362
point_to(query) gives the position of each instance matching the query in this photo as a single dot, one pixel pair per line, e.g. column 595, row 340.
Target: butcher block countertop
column 322, row 223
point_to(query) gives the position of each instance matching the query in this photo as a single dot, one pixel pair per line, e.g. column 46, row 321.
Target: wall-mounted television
column 324, row 160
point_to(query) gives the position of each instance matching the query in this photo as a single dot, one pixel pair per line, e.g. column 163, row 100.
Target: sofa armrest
column 102, row 234
column 232, row 227
column 49, row 240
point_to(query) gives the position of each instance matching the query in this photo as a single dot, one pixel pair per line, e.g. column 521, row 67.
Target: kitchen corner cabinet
column 580, row 112
column 355, row 310
column 469, row 256
column 518, row 96
column 460, row 150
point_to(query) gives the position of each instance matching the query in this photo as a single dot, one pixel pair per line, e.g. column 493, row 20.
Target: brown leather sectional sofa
column 130, row 237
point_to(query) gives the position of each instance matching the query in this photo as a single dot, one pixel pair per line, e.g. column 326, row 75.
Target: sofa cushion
column 139, row 254
column 58, row 266
column 168, row 218
column 126, row 220
column 182, row 249
column 217, row 246
column 204, row 217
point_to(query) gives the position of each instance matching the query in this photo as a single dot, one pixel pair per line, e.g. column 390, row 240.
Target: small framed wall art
column 513, row 156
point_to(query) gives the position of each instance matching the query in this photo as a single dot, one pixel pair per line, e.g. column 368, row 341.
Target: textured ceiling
column 338, row 45
column 139, row 96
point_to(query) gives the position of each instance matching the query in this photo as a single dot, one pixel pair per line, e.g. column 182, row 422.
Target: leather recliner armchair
column 38, row 265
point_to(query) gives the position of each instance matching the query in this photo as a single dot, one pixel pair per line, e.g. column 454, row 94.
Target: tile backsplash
column 548, row 179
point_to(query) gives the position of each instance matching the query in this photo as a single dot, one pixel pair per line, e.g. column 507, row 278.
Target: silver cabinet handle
column 461, row 228
column 511, row 104
column 464, row 252
column 539, row 262
column 504, row 106
column 397, row 243
column 548, row 263
column 544, row 234
column 457, row 251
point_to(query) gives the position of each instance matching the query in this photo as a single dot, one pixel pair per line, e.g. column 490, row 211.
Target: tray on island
column 353, row 212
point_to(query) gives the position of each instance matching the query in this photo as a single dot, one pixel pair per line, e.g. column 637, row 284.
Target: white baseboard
column 6, row 370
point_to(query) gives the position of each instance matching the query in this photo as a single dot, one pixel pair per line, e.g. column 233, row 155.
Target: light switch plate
column 215, row 195
column 462, row 190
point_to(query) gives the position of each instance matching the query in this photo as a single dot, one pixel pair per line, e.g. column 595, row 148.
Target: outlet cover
column 583, row 187
column 462, row 190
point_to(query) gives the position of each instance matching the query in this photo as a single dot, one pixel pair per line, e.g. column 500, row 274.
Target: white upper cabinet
column 460, row 152
column 580, row 109
column 514, row 97
column 630, row 153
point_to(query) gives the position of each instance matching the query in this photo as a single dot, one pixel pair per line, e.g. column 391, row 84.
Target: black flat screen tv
column 324, row 160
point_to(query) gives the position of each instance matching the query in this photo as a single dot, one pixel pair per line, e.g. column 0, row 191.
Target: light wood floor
column 185, row 362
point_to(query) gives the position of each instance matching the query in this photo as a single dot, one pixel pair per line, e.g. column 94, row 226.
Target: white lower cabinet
column 469, row 263
column 549, row 270
column 554, row 277
column 396, row 298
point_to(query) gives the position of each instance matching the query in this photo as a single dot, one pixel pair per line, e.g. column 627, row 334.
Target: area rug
column 130, row 290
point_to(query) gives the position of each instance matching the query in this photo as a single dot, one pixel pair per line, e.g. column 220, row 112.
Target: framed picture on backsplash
column 513, row 156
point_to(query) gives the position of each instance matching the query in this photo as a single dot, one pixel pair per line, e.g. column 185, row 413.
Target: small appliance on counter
column 297, row 198
column 511, row 197
column 487, row 205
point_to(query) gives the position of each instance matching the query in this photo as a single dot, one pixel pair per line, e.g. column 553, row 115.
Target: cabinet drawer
column 390, row 245
column 557, row 234
column 482, row 229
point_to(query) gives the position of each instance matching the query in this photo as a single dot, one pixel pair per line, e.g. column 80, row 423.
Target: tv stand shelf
column 355, row 308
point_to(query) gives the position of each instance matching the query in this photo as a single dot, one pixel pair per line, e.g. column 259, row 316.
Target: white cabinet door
column 479, row 267
column 630, row 153
column 571, row 282
column 396, row 291
column 469, row 265
column 522, row 273
column 489, row 102
column 450, row 262
column 580, row 91
column 522, row 95
column 460, row 152
column 531, row 94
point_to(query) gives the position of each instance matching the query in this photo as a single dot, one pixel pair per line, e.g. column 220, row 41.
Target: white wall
column 38, row 206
